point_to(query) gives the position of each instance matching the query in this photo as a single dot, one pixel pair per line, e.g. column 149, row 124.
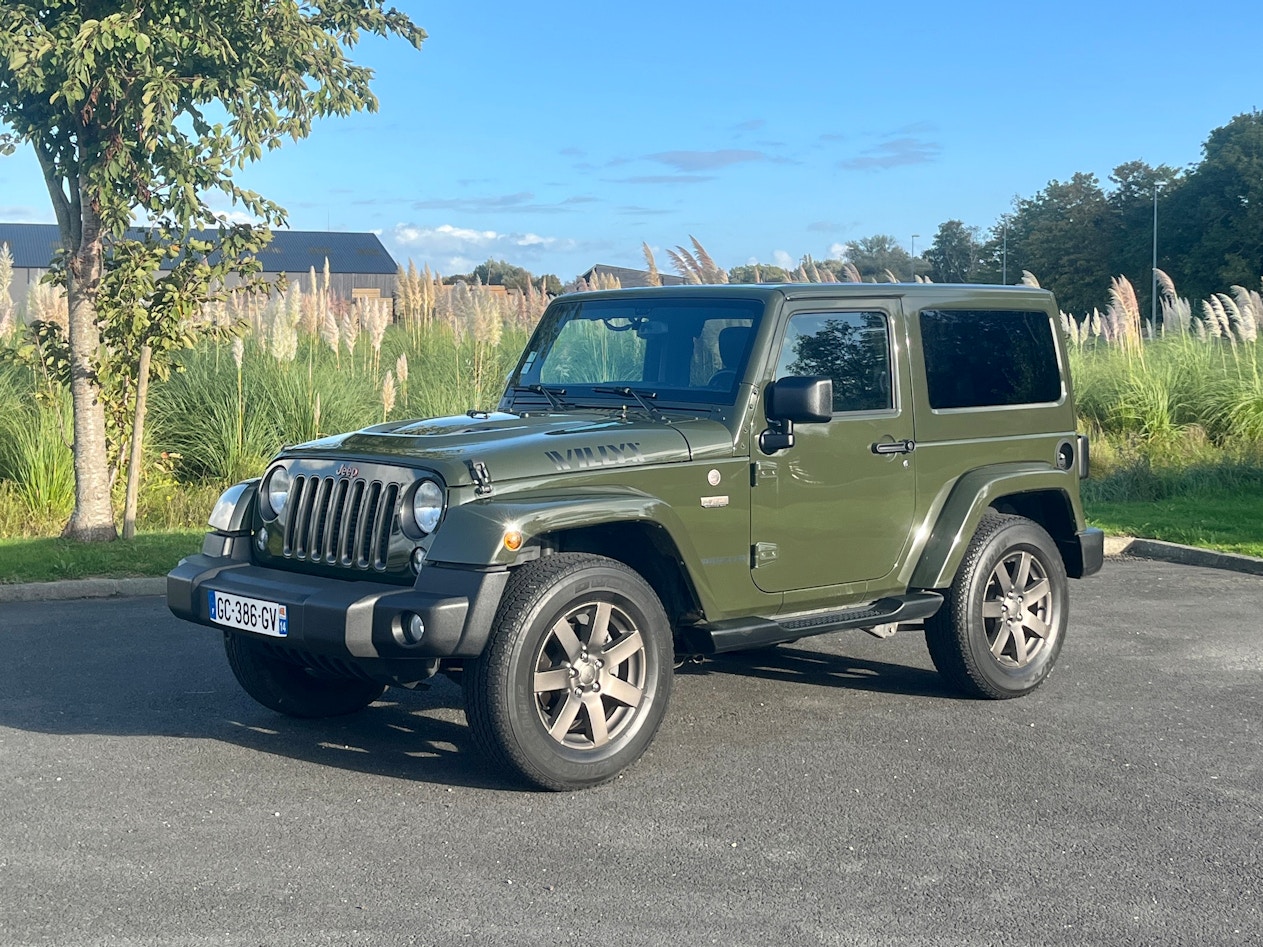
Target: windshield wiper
column 556, row 396
column 643, row 398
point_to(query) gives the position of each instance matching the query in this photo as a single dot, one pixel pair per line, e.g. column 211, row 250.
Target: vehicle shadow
column 795, row 664
column 133, row 670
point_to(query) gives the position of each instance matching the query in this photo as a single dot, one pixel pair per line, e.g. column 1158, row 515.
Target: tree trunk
column 138, row 435
column 93, row 518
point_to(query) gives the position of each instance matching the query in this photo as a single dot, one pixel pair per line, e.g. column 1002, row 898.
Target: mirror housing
column 794, row 400
column 806, row 399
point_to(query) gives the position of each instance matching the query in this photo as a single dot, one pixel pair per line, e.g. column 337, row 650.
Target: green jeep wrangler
column 672, row 472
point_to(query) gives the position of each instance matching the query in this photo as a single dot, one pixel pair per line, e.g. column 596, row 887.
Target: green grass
column 46, row 560
column 1228, row 522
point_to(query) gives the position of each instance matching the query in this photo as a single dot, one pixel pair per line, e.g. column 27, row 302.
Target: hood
column 515, row 446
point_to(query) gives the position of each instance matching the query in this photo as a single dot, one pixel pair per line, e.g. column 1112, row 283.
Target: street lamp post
column 1004, row 253
column 913, row 262
column 1153, row 297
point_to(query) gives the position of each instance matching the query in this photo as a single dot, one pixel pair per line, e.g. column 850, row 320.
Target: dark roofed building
column 359, row 265
column 629, row 278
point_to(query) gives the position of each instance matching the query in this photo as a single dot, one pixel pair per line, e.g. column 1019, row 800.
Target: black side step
column 737, row 634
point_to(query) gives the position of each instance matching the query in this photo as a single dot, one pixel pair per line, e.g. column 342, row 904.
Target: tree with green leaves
column 146, row 107
column 1215, row 214
column 758, row 273
column 1062, row 236
column 503, row 273
column 878, row 255
column 951, row 255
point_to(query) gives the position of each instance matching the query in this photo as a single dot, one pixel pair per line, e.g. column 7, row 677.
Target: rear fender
column 964, row 507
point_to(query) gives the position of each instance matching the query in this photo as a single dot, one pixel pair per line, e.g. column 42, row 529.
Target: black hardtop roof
column 939, row 292
column 291, row 251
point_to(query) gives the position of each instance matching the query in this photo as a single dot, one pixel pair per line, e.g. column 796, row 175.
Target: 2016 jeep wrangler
column 671, row 472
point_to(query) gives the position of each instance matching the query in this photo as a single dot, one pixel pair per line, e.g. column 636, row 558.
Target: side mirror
column 795, row 400
column 801, row 400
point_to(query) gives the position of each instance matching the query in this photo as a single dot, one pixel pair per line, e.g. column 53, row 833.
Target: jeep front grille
column 340, row 521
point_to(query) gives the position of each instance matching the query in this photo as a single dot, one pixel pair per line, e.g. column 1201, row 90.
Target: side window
column 989, row 358
column 852, row 348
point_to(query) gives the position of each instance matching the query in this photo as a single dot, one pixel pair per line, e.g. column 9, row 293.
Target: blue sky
column 564, row 134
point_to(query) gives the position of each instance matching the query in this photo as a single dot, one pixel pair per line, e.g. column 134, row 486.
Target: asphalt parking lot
column 827, row 792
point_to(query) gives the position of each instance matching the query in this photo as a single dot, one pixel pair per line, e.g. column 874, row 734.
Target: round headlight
column 427, row 505
column 276, row 490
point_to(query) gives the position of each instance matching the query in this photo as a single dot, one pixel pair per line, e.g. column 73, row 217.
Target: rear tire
column 1002, row 625
column 289, row 688
column 576, row 676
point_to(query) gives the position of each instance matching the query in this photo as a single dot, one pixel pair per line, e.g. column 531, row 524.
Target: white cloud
column 459, row 249
column 837, row 251
column 237, row 217
column 783, row 260
column 23, row 214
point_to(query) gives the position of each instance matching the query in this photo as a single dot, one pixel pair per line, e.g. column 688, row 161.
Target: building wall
column 342, row 285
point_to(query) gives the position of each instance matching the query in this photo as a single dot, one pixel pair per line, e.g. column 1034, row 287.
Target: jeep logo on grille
column 348, row 471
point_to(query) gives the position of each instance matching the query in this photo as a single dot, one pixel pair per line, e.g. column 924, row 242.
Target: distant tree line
column 503, row 273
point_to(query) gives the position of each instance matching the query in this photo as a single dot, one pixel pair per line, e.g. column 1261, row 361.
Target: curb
column 1183, row 555
column 81, row 588
column 67, row 589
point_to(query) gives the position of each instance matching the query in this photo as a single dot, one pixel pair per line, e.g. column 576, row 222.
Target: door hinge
column 762, row 554
column 762, row 471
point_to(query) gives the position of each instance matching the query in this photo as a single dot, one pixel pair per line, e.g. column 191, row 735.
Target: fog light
column 418, row 559
column 414, row 630
column 261, row 540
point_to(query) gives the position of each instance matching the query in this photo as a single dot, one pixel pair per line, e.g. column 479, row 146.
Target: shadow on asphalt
column 797, row 665
column 166, row 679
column 119, row 670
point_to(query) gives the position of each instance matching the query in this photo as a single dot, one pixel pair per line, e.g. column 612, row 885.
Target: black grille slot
column 340, row 521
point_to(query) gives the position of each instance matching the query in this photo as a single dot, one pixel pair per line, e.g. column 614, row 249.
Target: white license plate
column 250, row 614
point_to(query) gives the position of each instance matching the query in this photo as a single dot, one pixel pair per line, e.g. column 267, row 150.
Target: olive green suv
column 671, row 472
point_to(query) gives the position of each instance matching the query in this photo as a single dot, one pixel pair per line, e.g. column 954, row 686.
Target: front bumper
column 346, row 619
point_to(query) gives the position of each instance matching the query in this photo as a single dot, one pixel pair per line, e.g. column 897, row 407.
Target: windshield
column 669, row 349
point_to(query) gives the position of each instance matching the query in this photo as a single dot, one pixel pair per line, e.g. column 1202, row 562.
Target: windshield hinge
column 481, row 477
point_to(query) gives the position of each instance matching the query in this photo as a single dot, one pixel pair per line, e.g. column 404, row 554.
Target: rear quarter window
column 979, row 358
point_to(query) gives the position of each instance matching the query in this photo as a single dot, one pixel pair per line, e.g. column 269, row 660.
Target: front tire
column 576, row 676
column 1002, row 625
column 290, row 688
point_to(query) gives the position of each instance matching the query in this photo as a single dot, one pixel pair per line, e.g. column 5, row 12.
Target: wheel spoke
column 557, row 679
column 623, row 649
column 1037, row 591
column 596, row 719
column 568, row 640
column 1037, row 625
column 992, row 609
column 622, row 692
column 1023, row 571
column 1001, row 639
column 1020, row 654
column 560, row 724
column 1003, row 579
column 599, row 636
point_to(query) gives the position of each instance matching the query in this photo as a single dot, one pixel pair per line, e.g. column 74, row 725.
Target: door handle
column 895, row 447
